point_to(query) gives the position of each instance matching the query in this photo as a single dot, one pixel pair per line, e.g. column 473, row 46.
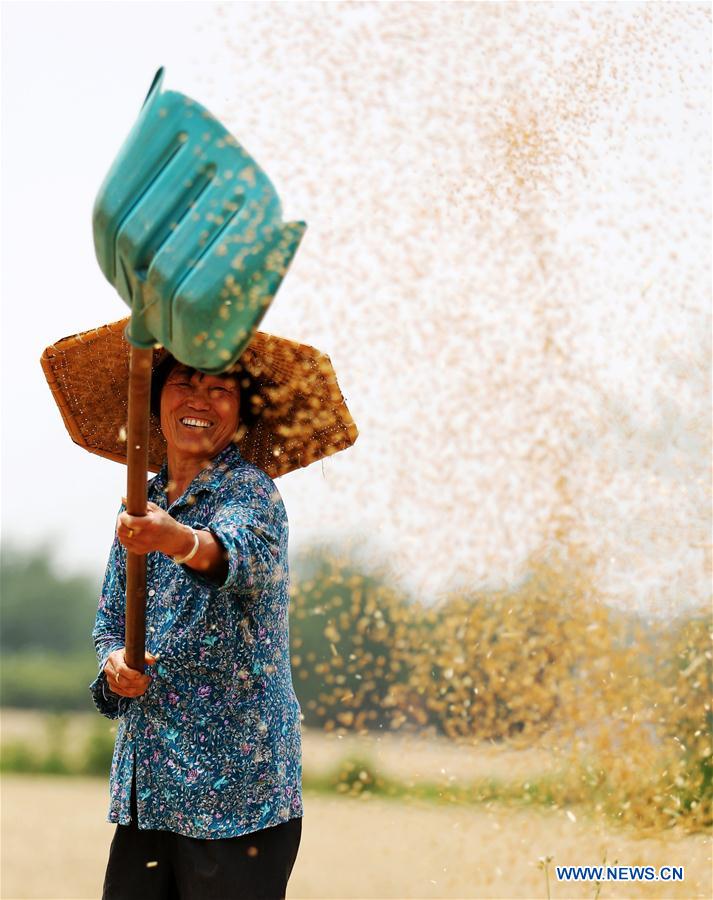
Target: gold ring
column 131, row 532
column 118, row 676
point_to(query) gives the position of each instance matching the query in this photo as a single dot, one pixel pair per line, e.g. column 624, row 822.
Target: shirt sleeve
column 109, row 630
column 251, row 524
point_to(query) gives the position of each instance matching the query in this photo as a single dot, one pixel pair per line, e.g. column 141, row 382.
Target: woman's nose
column 198, row 399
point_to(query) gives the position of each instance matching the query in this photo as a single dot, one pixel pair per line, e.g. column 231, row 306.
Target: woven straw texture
column 304, row 416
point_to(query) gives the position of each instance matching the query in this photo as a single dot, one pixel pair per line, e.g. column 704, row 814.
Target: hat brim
column 304, row 417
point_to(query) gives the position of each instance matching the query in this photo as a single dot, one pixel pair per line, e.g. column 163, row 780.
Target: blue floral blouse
column 215, row 741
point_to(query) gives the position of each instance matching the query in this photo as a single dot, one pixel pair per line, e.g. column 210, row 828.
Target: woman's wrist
column 210, row 558
column 181, row 542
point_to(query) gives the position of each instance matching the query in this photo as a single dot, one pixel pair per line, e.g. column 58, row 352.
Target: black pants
column 163, row 865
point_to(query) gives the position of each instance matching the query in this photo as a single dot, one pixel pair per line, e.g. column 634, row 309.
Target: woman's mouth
column 191, row 422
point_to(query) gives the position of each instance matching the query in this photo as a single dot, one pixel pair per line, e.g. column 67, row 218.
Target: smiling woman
column 206, row 774
column 215, row 537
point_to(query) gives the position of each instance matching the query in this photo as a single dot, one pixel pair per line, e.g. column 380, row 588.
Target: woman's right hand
column 125, row 681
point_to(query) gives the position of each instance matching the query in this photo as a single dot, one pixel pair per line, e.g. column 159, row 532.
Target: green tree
column 45, row 632
column 42, row 609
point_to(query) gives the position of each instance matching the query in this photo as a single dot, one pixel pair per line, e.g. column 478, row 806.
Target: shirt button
column 152, row 592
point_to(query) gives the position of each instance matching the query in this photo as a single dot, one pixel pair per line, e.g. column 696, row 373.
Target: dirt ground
column 55, row 843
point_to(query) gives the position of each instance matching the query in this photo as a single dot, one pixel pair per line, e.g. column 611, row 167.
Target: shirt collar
column 207, row 479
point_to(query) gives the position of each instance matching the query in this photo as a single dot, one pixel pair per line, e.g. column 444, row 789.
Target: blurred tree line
column 492, row 664
column 45, row 623
column 543, row 660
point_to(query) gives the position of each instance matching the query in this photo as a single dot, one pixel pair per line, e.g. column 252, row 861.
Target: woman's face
column 199, row 413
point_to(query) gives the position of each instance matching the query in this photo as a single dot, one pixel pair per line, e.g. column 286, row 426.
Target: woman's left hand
column 157, row 530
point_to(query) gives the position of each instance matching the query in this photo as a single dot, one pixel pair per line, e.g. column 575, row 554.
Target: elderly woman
column 206, row 773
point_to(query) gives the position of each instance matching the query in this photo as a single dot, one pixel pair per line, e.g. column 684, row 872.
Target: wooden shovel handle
column 136, row 497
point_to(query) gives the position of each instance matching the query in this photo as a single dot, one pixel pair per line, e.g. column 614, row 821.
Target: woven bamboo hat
column 303, row 418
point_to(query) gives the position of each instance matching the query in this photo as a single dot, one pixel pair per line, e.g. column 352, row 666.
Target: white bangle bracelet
column 196, row 544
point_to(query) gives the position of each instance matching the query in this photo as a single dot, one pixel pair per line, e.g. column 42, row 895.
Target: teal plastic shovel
column 188, row 229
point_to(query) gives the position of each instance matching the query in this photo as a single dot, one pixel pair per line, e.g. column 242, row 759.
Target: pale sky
column 507, row 259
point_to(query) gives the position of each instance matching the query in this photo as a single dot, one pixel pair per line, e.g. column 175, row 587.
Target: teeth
column 197, row 423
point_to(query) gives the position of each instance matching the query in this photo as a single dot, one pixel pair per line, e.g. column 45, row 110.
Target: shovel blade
column 188, row 228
